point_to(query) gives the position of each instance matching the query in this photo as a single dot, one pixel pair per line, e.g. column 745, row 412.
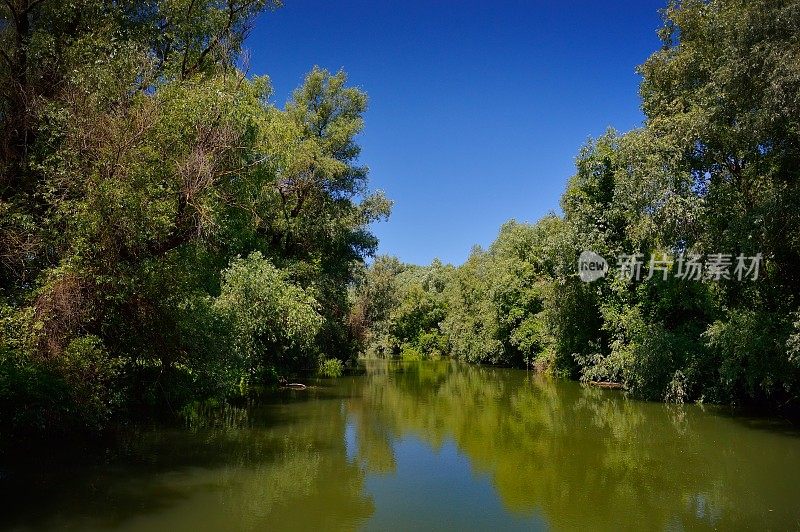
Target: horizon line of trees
column 715, row 168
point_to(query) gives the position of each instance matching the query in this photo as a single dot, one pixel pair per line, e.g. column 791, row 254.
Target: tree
column 132, row 184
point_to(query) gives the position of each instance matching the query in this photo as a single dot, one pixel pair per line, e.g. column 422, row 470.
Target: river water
column 427, row 446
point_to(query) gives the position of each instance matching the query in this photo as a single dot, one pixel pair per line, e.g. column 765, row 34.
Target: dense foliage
column 166, row 232
column 713, row 170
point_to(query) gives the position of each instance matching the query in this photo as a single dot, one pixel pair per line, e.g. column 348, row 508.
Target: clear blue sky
column 477, row 109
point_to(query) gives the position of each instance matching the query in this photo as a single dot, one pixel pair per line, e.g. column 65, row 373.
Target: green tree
column 137, row 162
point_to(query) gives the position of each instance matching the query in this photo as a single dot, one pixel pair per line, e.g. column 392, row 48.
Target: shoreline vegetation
column 713, row 170
column 169, row 235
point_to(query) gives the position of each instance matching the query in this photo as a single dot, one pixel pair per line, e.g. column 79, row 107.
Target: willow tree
column 138, row 161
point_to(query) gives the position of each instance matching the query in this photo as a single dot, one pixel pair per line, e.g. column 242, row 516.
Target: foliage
column 397, row 309
column 274, row 322
column 712, row 170
column 168, row 234
column 331, row 367
column 138, row 165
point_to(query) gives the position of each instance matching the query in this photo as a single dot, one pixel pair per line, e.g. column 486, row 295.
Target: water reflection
column 583, row 456
column 278, row 465
column 426, row 445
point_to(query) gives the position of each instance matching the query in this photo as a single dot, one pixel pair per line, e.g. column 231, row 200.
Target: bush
column 410, row 352
column 76, row 391
column 331, row 367
column 752, row 349
column 92, row 378
column 275, row 322
column 432, row 343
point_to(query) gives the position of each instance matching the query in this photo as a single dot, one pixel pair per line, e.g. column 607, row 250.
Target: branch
column 214, row 42
column 32, row 5
column 6, row 58
column 13, row 12
column 186, row 51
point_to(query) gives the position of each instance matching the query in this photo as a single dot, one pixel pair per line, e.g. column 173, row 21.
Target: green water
column 428, row 446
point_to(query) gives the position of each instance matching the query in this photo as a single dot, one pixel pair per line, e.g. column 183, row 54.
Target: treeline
column 166, row 233
column 711, row 177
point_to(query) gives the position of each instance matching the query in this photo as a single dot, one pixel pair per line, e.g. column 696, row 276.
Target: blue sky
column 477, row 109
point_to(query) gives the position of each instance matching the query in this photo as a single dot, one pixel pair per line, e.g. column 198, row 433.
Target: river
column 427, row 446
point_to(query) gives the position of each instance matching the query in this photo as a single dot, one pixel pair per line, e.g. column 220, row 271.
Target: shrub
column 752, row 349
column 331, row 367
column 92, row 378
column 410, row 352
column 275, row 322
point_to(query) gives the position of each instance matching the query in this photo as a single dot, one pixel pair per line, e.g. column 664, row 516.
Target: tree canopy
column 166, row 231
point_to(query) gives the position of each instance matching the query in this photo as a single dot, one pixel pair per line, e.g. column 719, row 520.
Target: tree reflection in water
column 425, row 444
column 584, row 456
